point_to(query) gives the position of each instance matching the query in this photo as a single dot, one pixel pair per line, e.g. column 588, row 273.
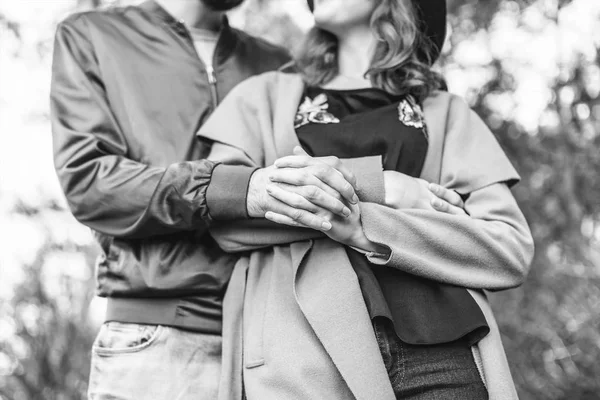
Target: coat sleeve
column 492, row 247
column 106, row 190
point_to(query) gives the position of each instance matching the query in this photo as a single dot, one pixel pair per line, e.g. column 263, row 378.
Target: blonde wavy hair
column 403, row 55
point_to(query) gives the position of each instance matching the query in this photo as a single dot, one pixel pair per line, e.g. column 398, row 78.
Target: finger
column 336, row 181
column 301, row 159
column 282, row 219
column 339, row 166
column 302, row 217
column 313, row 197
column 319, row 176
column 290, row 197
column 445, row 207
column 299, row 151
column 327, row 189
column 295, row 161
column 448, row 195
column 284, row 183
column 304, row 161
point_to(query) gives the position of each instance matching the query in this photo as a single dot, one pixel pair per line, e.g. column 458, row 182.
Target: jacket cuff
column 227, row 191
column 369, row 178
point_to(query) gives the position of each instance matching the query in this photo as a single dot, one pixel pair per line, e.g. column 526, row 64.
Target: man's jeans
column 429, row 372
column 143, row 362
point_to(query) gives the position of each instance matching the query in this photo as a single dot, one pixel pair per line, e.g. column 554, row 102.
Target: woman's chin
column 338, row 15
column 326, row 27
column 334, row 23
column 324, row 19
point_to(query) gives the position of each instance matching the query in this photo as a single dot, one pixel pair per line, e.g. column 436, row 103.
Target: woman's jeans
column 429, row 372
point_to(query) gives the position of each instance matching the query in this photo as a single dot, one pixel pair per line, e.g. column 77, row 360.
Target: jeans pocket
column 122, row 338
column 392, row 351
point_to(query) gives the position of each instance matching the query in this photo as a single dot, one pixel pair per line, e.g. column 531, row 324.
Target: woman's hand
column 311, row 191
column 301, row 199
column 346, row 230
column 405, row 192
column 301, row 190
column 338, row 217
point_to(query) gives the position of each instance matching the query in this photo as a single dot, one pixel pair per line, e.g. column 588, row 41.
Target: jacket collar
column 228, row 38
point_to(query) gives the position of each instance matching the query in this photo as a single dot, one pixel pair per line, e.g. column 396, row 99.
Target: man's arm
column 106, row 190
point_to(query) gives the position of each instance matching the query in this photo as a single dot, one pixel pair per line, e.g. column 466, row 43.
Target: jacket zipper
column 212, row 81
column 210, row 71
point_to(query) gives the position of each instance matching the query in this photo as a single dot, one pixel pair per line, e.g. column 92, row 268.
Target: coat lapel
column 233, row 304
column 337, row 313
column 289, row 91
column 435, row 111
column 499, row 382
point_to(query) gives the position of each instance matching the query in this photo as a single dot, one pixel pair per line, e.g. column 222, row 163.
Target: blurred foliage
column 551, row 325
column 47, row 338
column 530, row 68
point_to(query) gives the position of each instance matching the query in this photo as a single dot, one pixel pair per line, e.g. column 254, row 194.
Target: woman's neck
column 355, row 51
column 194, row 13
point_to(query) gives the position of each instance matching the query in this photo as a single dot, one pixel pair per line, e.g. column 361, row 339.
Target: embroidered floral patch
column 315, row 111
column 411, row 114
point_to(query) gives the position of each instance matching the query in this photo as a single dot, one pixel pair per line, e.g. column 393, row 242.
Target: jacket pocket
column 123, row 338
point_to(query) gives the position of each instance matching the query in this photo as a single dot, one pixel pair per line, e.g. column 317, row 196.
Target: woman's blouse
column 370, row 122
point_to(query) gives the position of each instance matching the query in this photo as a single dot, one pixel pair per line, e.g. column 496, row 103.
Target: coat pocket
column 258, row 288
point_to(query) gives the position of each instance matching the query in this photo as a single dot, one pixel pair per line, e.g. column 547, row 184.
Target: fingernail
column 354, row 199
column 346, row 211
column 271, row 178
column 437, row 203
column 268, row 215
column 326, row 226
column 433, row 187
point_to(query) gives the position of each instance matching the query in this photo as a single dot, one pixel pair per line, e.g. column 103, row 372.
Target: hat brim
column 432, row 14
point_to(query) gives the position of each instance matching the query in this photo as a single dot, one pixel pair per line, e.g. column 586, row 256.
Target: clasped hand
column 311, row 192
column 320, row 193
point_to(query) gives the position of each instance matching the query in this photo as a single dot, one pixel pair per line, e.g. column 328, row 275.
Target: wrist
column 360, row 240
column 371, row 248
column 254, row 205
column 226, row 194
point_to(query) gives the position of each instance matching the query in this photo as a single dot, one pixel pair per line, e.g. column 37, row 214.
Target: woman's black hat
column 432, row 14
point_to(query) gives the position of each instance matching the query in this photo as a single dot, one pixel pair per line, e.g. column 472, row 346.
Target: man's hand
column 403, row 192
column 326, row 173
column 303, row 191
column 314, row 192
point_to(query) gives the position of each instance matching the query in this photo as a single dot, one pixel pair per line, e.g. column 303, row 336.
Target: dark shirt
column 368, row 122
column 128, row 95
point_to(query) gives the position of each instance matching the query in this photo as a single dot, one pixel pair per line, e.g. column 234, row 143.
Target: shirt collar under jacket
column 227, row 37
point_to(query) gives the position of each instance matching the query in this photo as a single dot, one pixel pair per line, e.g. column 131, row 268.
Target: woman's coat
column 295, row 323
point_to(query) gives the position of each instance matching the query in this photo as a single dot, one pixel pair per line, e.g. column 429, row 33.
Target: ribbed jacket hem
column 160, row 312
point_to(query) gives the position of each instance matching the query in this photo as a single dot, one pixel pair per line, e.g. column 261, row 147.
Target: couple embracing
column 315, row 228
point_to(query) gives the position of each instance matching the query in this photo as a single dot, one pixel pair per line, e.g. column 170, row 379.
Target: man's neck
column 194, row 13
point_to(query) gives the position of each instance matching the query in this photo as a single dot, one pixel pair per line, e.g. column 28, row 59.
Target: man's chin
column 222, row 5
